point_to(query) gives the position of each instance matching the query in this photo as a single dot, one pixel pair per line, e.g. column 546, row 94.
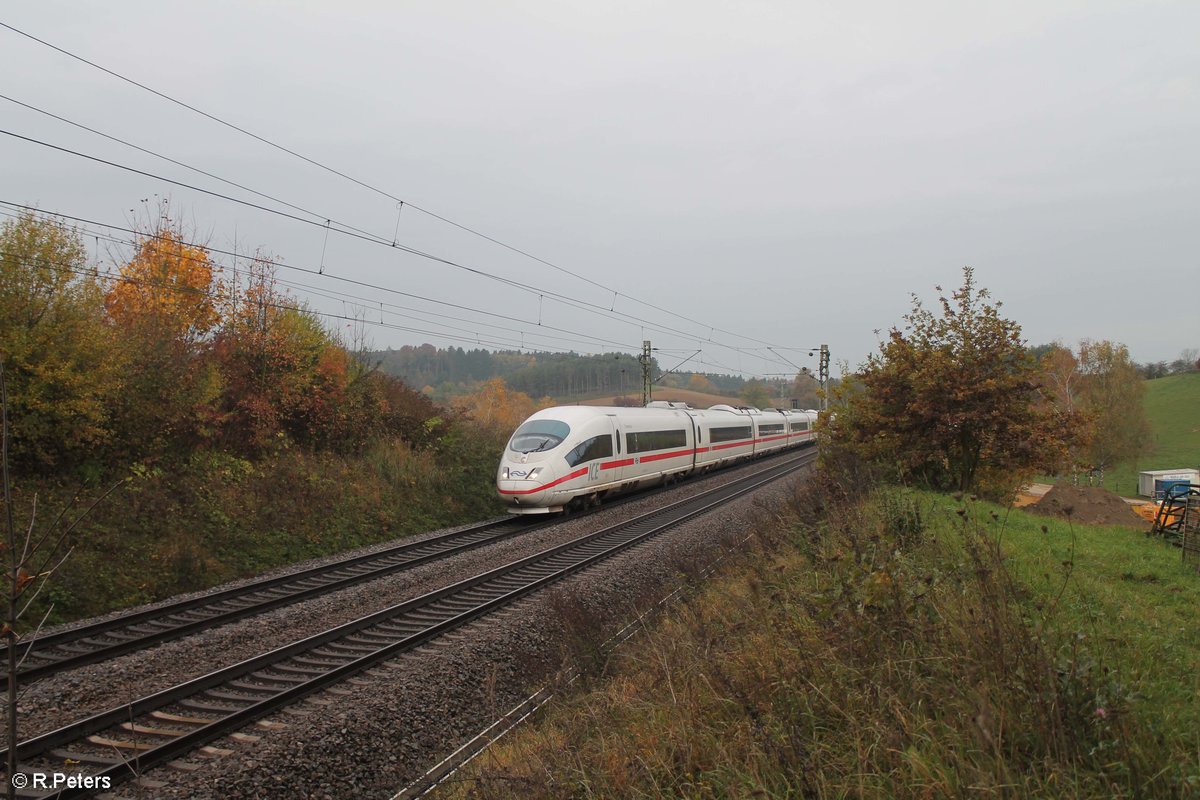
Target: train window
column 729, row 434
column 590, row 450
column 768, row 430
column 617, row 437
column 538, row 435
column 799, row 427
column 643, row 441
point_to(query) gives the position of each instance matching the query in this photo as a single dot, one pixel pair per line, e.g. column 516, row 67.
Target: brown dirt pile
column 1090, row 505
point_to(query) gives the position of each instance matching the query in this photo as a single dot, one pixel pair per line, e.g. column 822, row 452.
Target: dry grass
column 882, row 651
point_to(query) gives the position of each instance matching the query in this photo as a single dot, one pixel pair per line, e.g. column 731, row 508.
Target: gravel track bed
column 370, row 737
column 60, row 699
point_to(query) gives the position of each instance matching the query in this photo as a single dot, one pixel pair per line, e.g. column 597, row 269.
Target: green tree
column 1112, row 392
column 755, row 393
column 56, row 343
column 804, row 390
column 1062, row 385
column 950, row 400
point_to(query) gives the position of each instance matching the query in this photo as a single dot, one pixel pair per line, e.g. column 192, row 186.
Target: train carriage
column 576, row 455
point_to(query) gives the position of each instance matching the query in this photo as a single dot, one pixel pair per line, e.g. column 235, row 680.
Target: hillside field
column 1173, row 407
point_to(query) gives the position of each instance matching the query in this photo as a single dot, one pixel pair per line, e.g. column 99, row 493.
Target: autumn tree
column 699, row 383
column 55, row 341
column 497, row 407
column 950, row 400
column 168, row 284
column 1112, row 391
column 163, row 303
column 282, row 372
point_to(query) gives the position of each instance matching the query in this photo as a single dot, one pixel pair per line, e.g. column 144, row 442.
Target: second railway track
column 127, row 633
column 49, row 654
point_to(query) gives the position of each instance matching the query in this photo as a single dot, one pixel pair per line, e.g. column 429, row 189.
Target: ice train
column 572, row 456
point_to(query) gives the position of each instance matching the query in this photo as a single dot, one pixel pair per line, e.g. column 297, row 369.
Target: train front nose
column 524, row 486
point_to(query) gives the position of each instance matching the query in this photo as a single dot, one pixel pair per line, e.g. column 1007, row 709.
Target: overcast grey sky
column 778, row 173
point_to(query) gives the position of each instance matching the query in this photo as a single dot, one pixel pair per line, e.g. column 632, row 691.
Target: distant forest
column 456, row 371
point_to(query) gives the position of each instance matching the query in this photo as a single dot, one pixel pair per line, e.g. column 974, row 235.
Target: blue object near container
column 1162, row 487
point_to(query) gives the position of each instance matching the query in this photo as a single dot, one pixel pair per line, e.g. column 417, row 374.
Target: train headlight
column 533, row 473
column 504, row 474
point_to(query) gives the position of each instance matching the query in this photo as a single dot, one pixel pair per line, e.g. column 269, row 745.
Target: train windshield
column 539, row 435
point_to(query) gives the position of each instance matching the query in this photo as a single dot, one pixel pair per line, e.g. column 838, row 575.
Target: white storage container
column 1154, row 483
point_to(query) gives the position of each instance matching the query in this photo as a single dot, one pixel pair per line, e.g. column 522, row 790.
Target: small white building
column 1154, row 483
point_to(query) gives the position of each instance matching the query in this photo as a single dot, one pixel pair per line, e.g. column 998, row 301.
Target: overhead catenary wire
column 573, row 336
column 310, row 271
column 500, row 344
column 315, row 215
column 542, row 293
column 363, row 184
column 494, row 342
column 583, row 306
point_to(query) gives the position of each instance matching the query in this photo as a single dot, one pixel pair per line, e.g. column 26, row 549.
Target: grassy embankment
column 217, row 517
column 1171, row 405
column 913, row 646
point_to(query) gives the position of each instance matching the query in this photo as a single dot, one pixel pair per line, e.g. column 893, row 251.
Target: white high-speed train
column 573, row 456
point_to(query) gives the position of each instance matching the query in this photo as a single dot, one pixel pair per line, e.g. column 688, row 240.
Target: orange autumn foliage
column 498, row 407
column 168, row 284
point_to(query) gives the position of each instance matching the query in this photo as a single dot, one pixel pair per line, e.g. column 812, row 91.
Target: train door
column 695, row 440
column 612, row 469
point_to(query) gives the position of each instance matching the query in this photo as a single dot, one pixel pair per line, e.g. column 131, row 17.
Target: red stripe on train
column 575, row 474
column 614, row 464
column 660, row 456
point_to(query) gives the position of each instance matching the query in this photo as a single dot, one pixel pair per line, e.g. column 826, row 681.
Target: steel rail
column 127, row 633
column 230, row 698
column 88, row 644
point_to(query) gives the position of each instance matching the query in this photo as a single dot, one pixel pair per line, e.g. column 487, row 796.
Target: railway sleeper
column 149, row 730
column 93, row 759
column 294, row 669
column 266, row 675
column 223, row 709
column 374, row 641
column 273, row 593
column 326, row 662
column 70, row 649
column 120, row 744
column 424, row 616
column 455, row 605
column 265, row 688
column 349, row 648
column 186, row 720
column 400, row 631
column 244, row 696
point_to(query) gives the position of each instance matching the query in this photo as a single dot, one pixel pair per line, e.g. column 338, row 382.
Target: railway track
column 164, row 726
column 127, row 633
